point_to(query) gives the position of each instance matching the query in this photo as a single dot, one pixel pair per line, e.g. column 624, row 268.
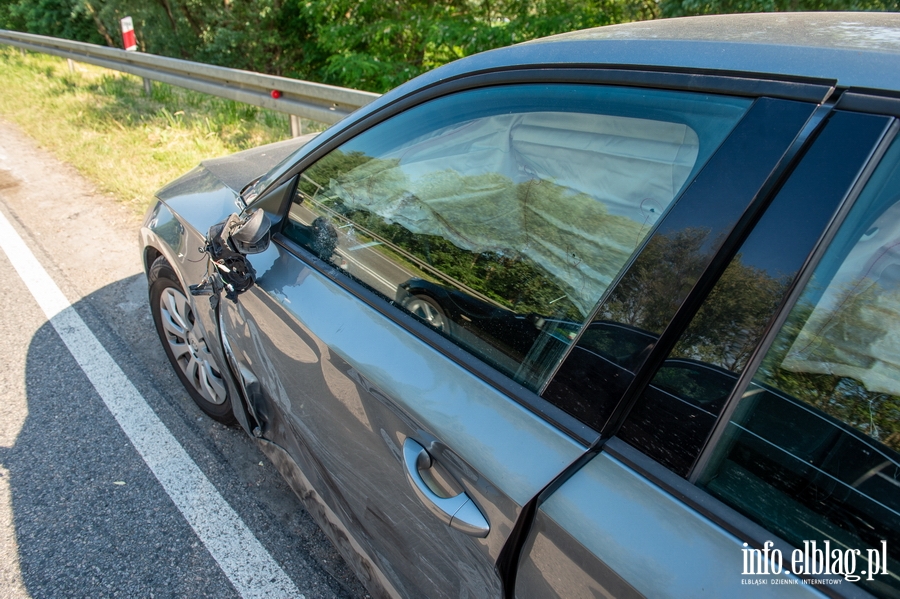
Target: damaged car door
column 424, row 282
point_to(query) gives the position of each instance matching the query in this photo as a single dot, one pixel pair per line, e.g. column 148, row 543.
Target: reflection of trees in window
column 731, row 321
column 510, row 279
column 651, row 291
column 315, row 179
column 840, row 361
column 506, row 277
column 533, row 246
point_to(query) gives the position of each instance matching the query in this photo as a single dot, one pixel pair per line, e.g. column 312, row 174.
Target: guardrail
column 314, row 101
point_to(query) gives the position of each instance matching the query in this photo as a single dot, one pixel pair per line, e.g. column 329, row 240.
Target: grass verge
column 129, row 144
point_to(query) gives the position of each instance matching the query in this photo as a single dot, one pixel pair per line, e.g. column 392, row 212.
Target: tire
column 429, row 311
column 183, row 342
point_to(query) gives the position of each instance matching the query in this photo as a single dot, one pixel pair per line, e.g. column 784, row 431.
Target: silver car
column 614, row 313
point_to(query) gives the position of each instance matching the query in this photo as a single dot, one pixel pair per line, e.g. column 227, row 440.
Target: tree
column 363, row 44
column 68, row 19
column 651, row 291
column 683, row 8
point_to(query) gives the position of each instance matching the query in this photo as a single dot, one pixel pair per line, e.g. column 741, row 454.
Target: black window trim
column 870, row 101
column 859, row 165
column 695, row 80
column 685, row 489
column 791, row 299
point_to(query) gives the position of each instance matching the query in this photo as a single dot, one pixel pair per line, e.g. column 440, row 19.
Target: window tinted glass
column 673, row 417
column 674, row 265
column 501, row 216
column 812, row 450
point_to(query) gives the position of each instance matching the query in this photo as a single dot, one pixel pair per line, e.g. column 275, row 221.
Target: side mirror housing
column 249, row 234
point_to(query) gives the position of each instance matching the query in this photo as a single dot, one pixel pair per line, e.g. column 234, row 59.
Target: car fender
column 164, row 234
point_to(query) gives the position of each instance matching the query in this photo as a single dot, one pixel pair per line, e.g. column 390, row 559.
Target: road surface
column 92, row 501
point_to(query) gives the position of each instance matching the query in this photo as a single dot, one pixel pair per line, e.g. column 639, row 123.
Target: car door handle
column 459, row 512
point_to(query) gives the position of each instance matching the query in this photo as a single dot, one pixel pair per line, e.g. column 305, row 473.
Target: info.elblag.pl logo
column 815, row 559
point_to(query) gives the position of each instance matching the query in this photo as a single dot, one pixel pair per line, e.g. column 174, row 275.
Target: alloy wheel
column 189, row 347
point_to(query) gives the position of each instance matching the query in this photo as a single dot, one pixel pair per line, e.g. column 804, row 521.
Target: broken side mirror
column 227, row 245
column 249, row 233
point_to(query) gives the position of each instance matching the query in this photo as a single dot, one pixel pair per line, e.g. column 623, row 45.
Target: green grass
column 129, row 144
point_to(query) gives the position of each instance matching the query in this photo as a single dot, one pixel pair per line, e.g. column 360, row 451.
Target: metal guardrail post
column 315, row 101
column 296, row 126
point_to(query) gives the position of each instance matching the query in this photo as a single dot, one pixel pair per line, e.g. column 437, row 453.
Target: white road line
column 246, row 563
column 390, row 286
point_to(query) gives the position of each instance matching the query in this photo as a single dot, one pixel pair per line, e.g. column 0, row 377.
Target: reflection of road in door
column 357, row 256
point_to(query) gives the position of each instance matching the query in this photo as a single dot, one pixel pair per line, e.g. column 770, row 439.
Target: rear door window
column 812, row 450
column 501, row 216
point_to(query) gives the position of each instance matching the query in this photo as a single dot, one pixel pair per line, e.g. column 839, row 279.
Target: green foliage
column 682, row 8
column 364, row 44
column 58, row 18
column 378, row 45
column 129, row 144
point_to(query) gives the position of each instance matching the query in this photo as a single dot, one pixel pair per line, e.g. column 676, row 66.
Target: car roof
column 850, row 49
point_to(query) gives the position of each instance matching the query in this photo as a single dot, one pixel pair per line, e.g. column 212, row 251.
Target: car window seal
column 791, row 298
column 545, row 410
column 870, row 101
column 693, row 80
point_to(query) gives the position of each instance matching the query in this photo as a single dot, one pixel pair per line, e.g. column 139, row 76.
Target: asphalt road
column 81, row 512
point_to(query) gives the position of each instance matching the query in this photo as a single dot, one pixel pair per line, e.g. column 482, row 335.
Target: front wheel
column 184, row 343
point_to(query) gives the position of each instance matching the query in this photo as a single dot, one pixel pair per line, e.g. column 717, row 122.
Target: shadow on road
column 89, row 517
